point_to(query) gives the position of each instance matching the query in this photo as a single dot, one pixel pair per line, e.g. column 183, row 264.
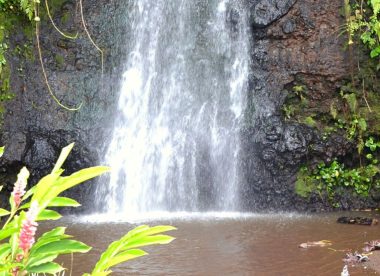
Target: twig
column 365, row 98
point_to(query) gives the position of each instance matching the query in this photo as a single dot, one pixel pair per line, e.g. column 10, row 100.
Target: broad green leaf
column 48, row 215
column 5, row 250
column 37, row 260
column 125, row 256
column 140, row 236
column 149, row 240
column 352, row 101
column 7, row 232
column 76, row 178
column 42, row 188
column 4, row 212
column 58, row 202
column 115, row 247
column 362, row 124
column 58, row 231
column 62, row 157
column 147, row 231
column 68, row 182
column 63, row 202
column 51, row 268
column 144, row 231
column 42, row 242
column 53, row 235
column 63, row 247
column 1, row 151
column 14, row 242
column 375, row 52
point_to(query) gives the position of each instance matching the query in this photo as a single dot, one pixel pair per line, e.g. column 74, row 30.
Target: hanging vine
column 31, row 9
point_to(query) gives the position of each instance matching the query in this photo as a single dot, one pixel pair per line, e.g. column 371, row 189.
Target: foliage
column 333, row 178
column 20, row 254
column 364, row 21
column 352, row 111
column 126, row 248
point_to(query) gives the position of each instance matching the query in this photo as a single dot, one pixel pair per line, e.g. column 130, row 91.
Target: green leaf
column 61, row 184
column 352, row 101
column 63, row 202
column 58, row 231
column 54, row 235
column 5, row 249
column 140, row 236
column 48, row 215
column 362, row 124
column 4, row 212
column 150, row 240
column 51, row 268
column 44, row 186
column 63, row 247
column 5, row 233
column 58, row 202
column 1, row 151
column 375, row 52
column 37, row 260
column 62, row 158
column 375, row 6
column 125, row 256
column 76, row 178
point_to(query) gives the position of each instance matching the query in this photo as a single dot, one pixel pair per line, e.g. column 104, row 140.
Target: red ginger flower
column 20, row 185
column 29, row 227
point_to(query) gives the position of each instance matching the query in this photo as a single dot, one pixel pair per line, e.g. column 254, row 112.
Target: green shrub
column 331, row 179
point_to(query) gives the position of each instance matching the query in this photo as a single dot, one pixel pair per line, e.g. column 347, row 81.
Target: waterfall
column 176, row 143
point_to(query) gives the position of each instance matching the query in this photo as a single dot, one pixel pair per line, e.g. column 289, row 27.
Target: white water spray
column 176, row 143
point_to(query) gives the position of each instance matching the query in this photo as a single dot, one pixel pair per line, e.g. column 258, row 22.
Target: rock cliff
column 294, row 42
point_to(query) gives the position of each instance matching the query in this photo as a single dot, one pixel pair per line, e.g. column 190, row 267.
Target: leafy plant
column 331, row 179
column 364, row 20
column 126, row 248
column 288, row 111
column 20, row 254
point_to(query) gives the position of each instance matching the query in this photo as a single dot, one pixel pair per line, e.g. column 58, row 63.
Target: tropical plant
column 363, row 19
column 21, row 254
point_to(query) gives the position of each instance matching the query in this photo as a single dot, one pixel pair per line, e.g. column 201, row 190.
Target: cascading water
column 175, row 145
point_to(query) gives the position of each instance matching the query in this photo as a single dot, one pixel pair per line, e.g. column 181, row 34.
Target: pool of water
column 228, row 244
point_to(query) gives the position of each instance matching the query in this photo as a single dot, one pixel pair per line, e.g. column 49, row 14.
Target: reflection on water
column 245, row 245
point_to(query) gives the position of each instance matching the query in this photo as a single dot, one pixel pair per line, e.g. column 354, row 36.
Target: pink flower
column 28, row 229
column 20, row 185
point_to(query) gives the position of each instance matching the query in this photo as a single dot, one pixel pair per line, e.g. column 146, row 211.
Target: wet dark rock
column 289, row 26
column 35, row 128
column 293, row 41
column 375, row 194
column 79, row 64
column 265, row 12
column 65, row 43
column 40, row 154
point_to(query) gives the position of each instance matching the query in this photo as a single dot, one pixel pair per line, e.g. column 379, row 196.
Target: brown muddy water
column 214, row 244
